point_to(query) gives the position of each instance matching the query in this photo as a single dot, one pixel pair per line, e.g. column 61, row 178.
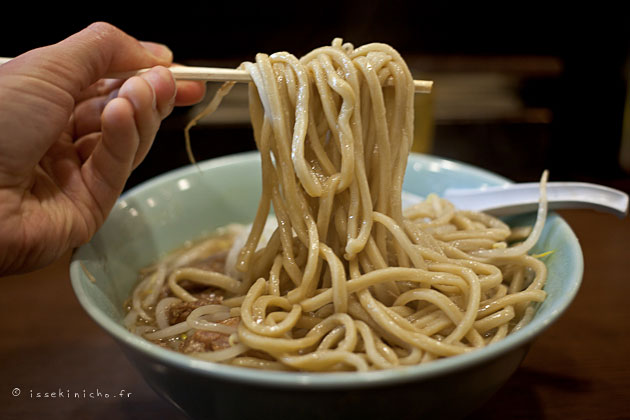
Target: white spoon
column 523, row 197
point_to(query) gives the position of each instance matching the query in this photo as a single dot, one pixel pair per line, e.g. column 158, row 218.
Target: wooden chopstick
column 216, row 74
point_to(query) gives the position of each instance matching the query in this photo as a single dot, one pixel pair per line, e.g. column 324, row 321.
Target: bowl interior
column 161, row 214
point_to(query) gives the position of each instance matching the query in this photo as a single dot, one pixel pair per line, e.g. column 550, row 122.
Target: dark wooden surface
column 578, row 369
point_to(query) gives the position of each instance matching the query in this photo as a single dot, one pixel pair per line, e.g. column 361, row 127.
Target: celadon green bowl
column 161, row 214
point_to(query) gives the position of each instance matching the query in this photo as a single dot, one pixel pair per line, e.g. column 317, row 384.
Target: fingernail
column 152, row 77
column 156, row 76
column 160, row 51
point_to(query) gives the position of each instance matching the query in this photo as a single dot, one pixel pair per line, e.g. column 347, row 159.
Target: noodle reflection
column 339, row 276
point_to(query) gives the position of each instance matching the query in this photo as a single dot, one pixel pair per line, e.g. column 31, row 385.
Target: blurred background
column 519, row 88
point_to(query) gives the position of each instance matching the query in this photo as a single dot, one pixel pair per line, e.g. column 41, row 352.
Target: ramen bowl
column 165, row 212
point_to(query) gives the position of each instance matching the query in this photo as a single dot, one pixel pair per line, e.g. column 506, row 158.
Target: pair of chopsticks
column 216, row 74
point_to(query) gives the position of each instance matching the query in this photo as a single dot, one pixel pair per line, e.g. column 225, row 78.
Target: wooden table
column 578, row 369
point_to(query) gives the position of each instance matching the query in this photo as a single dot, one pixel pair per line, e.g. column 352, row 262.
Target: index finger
column 78, row 61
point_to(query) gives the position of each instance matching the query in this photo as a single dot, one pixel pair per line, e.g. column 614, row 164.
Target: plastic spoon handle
column 523, row 197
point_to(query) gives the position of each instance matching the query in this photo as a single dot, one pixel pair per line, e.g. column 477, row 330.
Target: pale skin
column 70, row 139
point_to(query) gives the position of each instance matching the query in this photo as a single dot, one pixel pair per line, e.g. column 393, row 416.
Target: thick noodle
column 338, row 276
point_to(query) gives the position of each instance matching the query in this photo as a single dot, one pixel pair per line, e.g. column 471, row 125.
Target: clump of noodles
column 344, row 279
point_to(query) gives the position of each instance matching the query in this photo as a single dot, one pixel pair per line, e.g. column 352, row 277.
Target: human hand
column 69, row 139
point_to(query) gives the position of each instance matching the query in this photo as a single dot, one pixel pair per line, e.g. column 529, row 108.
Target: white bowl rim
column 333, row 380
